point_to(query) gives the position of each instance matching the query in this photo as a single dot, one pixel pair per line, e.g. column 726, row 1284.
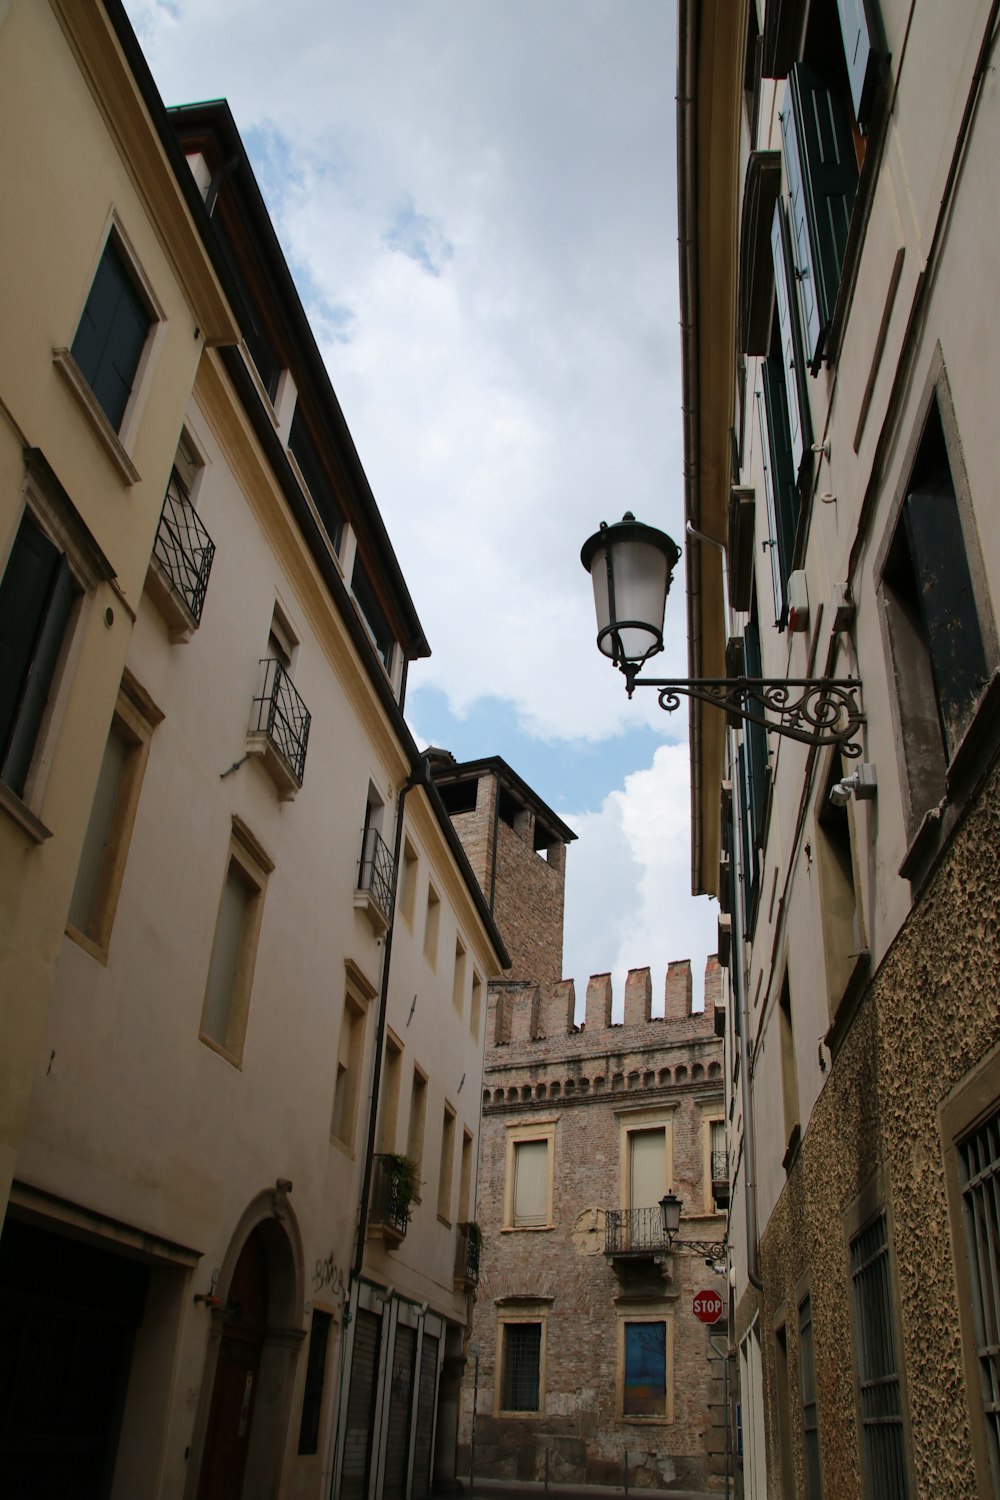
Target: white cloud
column 628, row 884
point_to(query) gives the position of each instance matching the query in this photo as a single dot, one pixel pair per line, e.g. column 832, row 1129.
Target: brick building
column 591, row 1362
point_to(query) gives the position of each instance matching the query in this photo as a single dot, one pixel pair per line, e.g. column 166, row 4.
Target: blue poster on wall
column 645, row 1369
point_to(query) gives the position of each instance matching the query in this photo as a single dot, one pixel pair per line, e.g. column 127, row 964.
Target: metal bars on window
column 807, row 1387
column 183, row 547
column 375, row 873
column 883, row 1439
column 980, row 1165
column 279, row 712
column 522, row 1350
column 633, row 1231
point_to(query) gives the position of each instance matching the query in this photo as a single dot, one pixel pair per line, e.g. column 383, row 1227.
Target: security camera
column 860, row 784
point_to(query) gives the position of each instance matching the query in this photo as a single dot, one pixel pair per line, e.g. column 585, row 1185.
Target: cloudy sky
column 477, row 200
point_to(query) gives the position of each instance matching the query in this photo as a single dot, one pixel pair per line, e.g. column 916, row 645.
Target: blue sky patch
column 419, row 238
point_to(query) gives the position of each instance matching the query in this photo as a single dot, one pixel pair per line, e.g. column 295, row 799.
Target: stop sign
column 708, row 1307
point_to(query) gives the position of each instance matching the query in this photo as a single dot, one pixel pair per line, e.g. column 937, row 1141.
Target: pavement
column 512, row 1489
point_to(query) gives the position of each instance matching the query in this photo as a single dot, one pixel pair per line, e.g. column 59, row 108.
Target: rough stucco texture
column 932, row 1012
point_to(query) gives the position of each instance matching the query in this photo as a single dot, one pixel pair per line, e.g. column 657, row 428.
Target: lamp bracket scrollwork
column 814, row 711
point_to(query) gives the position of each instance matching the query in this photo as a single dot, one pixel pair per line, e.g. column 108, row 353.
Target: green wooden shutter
column 947, row 608
column 780, row 493
column 111, row 335
column 36, row 598
column 799, row 427
column 822, row 173
column 862, row 57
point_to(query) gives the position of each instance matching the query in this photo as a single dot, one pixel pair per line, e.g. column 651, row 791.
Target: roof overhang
column 711, row 45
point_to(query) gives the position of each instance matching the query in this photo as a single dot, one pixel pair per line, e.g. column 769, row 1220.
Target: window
column 312, row 1398
column 408, row 883
column 372, row 614
column 392, row 1069
column 36, row 600
column 432, row 918
column 780, row 492
column 375, row 867
column 783, row 1400
column 458, row 980
column 528, row 1194
column 971, row 1126
column 183, row 552
column 112, row 814
column 350, row 1057
column 279, row 720
column 939, row 635
column 446, row 1174
column 476, row 1008
column 789, row 1073
column 310, row 466
column 521, row 1363
column 418, row 1114
column 643, row 1359
column 465, row 1177
column 840, row 904
column 882, row 1435
column 112, row 334
column 716, row 1165
column 752, row 779
column 230, row 976
column 807, row 1389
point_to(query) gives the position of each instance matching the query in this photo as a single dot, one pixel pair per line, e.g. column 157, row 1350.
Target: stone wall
column 587, row 1083
column 930, row 1015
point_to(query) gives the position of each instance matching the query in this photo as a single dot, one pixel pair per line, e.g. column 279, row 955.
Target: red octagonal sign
column 708, row 1307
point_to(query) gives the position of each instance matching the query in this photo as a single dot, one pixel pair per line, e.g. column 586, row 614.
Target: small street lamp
column 631, row 568
column 670, row 1222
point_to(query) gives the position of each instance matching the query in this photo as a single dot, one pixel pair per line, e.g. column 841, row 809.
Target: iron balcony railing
column 375, row 872
column 720, row 1166
column 634, row 1231
column 183, row 547
column 389, row 1204
column 279, row 712
column 467, row 1253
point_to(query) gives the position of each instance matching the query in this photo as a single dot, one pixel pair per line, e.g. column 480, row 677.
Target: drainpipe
column 418, row 778
column 736, row 969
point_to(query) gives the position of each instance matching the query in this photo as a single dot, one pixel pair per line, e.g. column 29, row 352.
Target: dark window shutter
column 947, row 607
column 822, row 173
column 44, row 589
column 862, row 57
column 799, row 432
column 111, row 335
column 315, row 476
column 779, row 481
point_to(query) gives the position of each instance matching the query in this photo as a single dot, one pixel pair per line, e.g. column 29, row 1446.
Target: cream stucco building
column 245, row 954
column 839, row 268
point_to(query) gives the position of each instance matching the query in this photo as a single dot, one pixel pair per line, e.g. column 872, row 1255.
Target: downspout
column 418, row 778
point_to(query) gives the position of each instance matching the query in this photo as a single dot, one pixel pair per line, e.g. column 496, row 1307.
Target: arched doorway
column 237, row 1375
column 250, row 1362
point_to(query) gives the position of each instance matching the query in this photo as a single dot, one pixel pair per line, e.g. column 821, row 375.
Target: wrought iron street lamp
column 670, row 1222
column 631, row 567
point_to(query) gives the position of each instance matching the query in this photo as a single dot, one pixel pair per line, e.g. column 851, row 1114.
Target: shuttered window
column 531, row 1183
column 397, row 1445
column 647, row 1167
column 780, row 492
column 862, row 57
column 821, row 170
column 320, row 487
column 423, row 1441
column 111, row 336
column 36, row 599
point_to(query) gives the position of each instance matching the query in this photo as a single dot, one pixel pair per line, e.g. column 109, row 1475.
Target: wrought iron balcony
column 181, row 562
column 279, row 726
column 634, row 1231
column 375, row 877
column 720, row 1178
column 390, row 1201
column 467, row 1253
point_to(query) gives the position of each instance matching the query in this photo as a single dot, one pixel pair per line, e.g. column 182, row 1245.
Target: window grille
column 881, row 1405
column 522, row 1350
column 183, row 547
column 980, row 1167
column 810, row 1421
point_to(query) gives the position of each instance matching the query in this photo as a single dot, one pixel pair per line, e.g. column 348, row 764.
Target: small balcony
column 720, row 1179
column 183, row 551
column 375, row 881
column 279, row 728
column 630, row 1233
column 389, row 1214
column 467, row 1252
